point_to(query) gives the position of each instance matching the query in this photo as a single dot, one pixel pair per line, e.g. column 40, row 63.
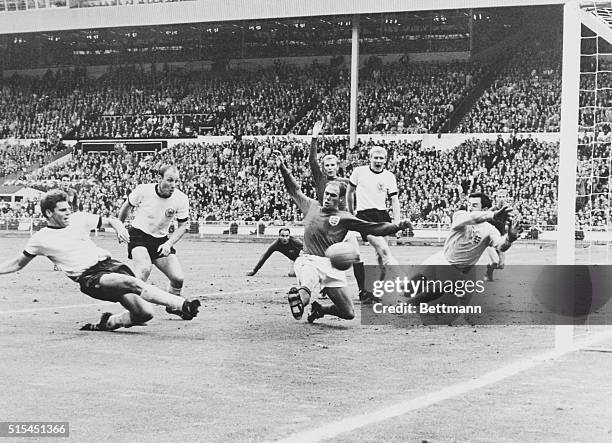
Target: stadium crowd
column 524, row 97
column 237, row 180
column 397, row 97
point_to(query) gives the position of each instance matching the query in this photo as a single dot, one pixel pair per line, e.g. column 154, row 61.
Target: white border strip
column 54, row 308
column 359, row 421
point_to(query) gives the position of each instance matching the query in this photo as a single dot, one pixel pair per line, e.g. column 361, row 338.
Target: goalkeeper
column 471, row 234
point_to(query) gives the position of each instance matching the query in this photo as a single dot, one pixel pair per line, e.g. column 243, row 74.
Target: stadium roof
column 72, row 16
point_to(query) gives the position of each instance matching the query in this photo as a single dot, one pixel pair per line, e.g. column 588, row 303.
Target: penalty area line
column 349, row 424
column 83, row 305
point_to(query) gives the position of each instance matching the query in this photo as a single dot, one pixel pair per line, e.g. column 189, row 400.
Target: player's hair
column 375, row 149
column 331, row 157
column 341, row 185
column 485, row 200
column 51, row 199
column 65, row 175
column 284, row 229
column 165, row 168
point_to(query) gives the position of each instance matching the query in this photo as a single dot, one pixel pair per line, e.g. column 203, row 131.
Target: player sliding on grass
column 472, row 232
column 325, row 225
column 287, row 245
column 66, row 242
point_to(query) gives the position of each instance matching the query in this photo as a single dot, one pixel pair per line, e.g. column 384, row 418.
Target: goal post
column 585, row 160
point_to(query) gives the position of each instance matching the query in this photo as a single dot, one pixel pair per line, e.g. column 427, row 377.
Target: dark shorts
column 375, row 216
column 90, row 280
column 142, row 239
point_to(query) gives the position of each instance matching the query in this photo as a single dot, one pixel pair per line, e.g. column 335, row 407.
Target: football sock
column 359, row 272
column 155, row 295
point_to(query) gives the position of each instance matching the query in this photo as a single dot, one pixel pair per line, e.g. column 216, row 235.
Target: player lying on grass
column 471, row 234
column 325, row 225
column 287, row 245
column 66, row 242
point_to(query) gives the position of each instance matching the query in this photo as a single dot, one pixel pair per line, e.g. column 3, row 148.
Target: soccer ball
column 342, row 255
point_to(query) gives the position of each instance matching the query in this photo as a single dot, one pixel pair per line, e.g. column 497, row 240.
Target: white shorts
column 312, row 270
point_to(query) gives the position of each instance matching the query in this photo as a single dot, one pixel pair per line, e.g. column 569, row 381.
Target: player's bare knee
column 349, row 314
column 144, row 273
column 177, row 281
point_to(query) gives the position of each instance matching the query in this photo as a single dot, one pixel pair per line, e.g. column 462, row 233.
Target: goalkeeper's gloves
column 502, row 214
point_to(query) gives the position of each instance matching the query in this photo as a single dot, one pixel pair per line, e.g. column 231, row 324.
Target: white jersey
column 70, row 248
column 373, row 188
column 154, row 214
column 469, row 238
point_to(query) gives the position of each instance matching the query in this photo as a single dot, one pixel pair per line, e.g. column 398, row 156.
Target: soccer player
column 287, row 245
column 325, row 225
column 320, row 179
column 471, row 234
column 497, row 258
column 372, row 184
column 66, row 242
column 156, row 205
column 73, row 197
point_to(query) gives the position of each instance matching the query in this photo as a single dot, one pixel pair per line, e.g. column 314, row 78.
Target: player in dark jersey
column 73, row 197
column 287, row 245
column 325, row 225
column 320, row 179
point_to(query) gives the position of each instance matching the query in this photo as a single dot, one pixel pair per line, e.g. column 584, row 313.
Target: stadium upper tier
column 395, row 98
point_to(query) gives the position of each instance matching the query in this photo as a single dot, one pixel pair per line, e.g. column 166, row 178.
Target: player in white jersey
column 496, row 259
column 66, row 242
column 471, row 234
column 372, row 185
column 156, row 206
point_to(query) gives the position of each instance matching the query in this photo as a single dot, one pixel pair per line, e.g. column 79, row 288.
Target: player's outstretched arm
column 317, row 175
column 511, row 236
column 122, row 234
column 377, row 229
column 293, row 188
column 125, row 210
column 15, row 264
column 265, row 256
column 462, row 219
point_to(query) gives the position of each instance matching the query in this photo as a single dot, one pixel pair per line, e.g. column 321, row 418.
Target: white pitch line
column 53, row 308
column 334, row 429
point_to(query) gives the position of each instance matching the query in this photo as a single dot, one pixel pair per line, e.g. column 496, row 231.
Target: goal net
column 585, row 162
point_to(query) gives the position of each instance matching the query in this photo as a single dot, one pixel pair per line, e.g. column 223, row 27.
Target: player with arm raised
column 325, row 225
column 156, row 206
column 320, row 179
column 373, row 184
column 66, row 242
column 287, row 245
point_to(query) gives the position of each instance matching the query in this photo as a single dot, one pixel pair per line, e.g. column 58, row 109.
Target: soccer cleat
column 295, row 303
column 366, row 297
column 489, row 274
column 100, row 326
column 316, row 311
column 188, row 311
